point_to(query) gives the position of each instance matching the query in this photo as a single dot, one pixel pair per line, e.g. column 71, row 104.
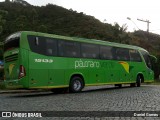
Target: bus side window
column 37, row 44
column 89, row 50
column 51, row 45
column 122, row 54
column 135, row 56
column 69, row 48
column 106, row 52
column 36, row 41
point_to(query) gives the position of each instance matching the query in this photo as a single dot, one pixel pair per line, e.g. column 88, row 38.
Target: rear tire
column 139, row 80
column 76, row 85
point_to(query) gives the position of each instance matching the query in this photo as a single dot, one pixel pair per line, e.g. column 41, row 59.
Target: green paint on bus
column 40, row 60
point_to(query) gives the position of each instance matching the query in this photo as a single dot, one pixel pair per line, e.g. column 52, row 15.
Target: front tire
column 76, row 85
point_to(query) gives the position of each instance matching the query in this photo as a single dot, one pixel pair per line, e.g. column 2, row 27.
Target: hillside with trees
column 18, row 15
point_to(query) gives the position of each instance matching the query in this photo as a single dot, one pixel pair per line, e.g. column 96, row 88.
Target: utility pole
column 147, row 21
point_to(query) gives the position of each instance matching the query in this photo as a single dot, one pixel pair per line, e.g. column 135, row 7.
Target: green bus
column 35, row 60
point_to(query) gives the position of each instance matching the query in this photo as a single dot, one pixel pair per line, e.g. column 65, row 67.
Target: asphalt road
column 106, row 98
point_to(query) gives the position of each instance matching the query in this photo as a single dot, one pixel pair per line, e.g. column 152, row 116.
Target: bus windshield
column 12, row 41
column 150, row 60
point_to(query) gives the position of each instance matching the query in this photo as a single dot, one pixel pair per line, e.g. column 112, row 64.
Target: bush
column 2, row 85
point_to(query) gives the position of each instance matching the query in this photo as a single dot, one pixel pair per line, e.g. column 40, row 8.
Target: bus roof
column 95, row 41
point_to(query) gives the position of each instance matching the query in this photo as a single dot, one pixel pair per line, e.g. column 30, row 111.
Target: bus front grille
column 10, row 58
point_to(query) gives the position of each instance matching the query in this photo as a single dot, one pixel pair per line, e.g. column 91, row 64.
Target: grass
column 156, row 82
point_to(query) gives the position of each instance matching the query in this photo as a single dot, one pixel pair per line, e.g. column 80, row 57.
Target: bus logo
column 125, row 66
column 6, row 114
column 86, row 64
column 11, row 66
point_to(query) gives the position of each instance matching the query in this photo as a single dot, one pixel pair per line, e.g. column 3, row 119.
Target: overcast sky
column 115, row 11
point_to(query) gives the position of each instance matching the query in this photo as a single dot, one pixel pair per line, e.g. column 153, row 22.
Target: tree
column 42, row 28
column 2, row 20
column 20, row 23
column 120, row 33
column 34, row 18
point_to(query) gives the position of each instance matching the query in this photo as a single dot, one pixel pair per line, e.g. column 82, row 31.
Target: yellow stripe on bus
column 50, row 86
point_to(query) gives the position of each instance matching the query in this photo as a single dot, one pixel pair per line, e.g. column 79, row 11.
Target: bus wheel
column 76, row 84
column 139, row 79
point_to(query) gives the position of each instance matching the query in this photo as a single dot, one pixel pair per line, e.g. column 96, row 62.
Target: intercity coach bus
column 36, row 60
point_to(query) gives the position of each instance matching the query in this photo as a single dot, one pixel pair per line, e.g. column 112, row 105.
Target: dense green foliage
column 58, row 20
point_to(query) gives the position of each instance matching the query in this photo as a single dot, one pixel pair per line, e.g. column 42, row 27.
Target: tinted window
column 43, row 45
column 106, row 52
column 51, row 46
column 69, row 48
column 135, row 56
column 37, row 44
column 13, row 41
column 122, row 54
column 89, row 50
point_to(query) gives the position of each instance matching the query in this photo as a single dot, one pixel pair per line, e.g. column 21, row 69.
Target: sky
column 111, row 11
